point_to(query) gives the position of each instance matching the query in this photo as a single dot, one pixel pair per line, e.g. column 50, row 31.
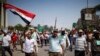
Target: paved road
column 42, row 52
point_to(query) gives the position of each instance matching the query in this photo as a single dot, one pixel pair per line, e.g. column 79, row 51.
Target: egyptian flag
column 26, row 16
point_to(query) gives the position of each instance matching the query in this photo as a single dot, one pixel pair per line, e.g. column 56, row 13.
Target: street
column 42, row 52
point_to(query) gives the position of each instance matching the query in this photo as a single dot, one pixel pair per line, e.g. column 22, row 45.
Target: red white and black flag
column 26, row 16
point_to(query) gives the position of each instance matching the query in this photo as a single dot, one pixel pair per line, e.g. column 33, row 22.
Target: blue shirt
column 55, row 44
column 63, row 40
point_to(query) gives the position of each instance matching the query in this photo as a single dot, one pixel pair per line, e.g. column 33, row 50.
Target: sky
column 66, row 11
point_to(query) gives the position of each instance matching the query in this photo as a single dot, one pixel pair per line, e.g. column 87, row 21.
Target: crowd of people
column 83, row 43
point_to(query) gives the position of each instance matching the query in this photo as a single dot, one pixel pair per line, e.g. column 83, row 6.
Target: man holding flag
column 26, row 16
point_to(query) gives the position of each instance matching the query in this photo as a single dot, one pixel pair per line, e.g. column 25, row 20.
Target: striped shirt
column 80, row 43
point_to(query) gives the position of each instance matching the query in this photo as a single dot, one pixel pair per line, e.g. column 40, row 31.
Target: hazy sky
column 66, row 11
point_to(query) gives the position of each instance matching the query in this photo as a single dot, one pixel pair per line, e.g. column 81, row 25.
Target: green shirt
column 98, row 42
column 34, row 36
column 1, row 37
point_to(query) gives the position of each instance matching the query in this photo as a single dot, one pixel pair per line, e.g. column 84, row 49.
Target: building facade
column 89, row 20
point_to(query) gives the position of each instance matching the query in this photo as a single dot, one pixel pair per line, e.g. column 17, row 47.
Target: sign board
column 74, row 25
column 88, row 16
column 98, row 42
column 40, row 28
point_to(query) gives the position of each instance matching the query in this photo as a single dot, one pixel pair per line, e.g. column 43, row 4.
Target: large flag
column 26, row 16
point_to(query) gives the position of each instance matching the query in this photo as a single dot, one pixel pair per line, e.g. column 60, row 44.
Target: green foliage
column 97, row 7
column 67, row 29
column 50, row 28
column 40, row 28
column 19, row 27
column 46, row 27
column 10, row 28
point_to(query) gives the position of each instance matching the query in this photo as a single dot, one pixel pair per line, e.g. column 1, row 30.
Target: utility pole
column 87, row 14
column 87, row 3
column 55, row 23
column 3, row 19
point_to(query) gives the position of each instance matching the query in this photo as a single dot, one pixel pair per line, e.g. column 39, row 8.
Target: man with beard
column 56, row 47
column 80, row 44
column 65, row 41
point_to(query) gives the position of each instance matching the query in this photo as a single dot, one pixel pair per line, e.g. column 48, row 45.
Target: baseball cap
column 80, row 30
column 31, row 28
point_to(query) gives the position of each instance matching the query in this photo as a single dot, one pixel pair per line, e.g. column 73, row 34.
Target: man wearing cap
column 56, row 47
column 80, row 44
column 34, row 36
column 34, row 33
column 29, row 46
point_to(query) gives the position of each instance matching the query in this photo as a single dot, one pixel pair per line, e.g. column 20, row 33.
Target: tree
column 97, row 7
column 27, row 27
column 10, row 28
column 46, row 27
column 19, row 27
column 67, row 29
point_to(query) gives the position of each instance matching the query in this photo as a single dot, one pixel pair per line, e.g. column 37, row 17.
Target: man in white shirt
column 29, row 46
column 34, row 35
column 6, row 45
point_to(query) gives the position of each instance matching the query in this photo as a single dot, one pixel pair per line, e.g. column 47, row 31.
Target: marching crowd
column 84, row 43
